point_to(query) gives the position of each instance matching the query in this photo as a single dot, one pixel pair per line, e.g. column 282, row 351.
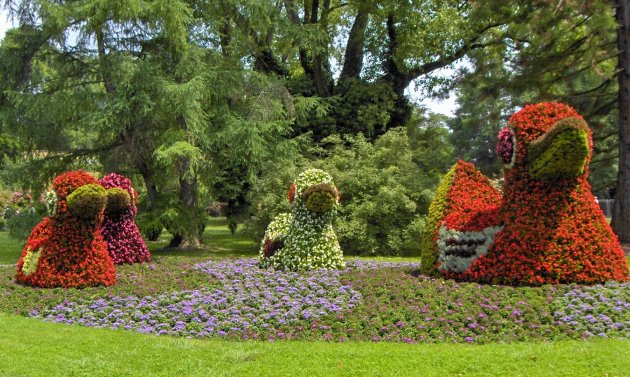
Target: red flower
column 291, row 193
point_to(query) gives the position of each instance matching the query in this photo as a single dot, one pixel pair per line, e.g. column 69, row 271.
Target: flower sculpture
column 124, row 242
column 66, row 249
column 547, row 227
column 305, row 239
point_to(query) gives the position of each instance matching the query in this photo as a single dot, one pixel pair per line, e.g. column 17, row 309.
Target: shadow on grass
column 218, row 241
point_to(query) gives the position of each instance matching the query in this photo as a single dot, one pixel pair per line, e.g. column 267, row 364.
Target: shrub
column 150, row 225
column 216, row 209
column 385, row 193
column 19, row 223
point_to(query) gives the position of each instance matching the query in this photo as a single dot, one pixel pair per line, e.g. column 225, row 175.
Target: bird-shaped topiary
column 305, row 239
column 66, row 249
column 124, row 242
column 547, row 228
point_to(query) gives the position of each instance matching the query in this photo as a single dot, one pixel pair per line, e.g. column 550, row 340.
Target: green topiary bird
column 305, row 239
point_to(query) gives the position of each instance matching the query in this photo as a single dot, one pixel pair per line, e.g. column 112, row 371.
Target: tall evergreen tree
column 621, row 210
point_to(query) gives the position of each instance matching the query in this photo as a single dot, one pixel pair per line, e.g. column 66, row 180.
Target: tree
column 144, row 91
column 621, row 209
column 564, row 54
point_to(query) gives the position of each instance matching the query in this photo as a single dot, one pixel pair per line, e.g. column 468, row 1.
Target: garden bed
column 369, row 301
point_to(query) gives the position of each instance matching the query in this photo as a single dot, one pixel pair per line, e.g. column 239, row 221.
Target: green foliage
column 268, row 196
column 384, row 191
column 117, row 200
column 562, row 152
column 149, row 225
column 385, row 186
column 428, row 248
column 87, row 201
column 21, row 222
column 555, row 54
column 175, row 220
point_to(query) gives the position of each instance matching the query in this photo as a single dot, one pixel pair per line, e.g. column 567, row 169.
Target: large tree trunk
column 147, row 176
column 355, row 47
column 188, row 194
column 621, row 209
column 397, row 78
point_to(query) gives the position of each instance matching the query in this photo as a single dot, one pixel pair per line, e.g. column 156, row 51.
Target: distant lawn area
column 218, row 242
column 34, row 348
column 10, row 249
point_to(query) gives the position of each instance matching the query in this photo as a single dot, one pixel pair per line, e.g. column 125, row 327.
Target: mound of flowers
column 249, row 301
column 124, row 242
column 549, row 229
column 305, row 239
column 368, row 301
column 66, row 249
column 462, row 221
column 600, row 310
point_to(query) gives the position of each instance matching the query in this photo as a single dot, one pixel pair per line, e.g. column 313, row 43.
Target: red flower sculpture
column 552, row 230
column 124, row 242
column 67, row 249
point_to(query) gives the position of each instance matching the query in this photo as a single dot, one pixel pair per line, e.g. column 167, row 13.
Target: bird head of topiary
column 87, row 201
column 118, row 200
column 320, row 198
column 316, row 192
column 543, row 133
column 63, row 185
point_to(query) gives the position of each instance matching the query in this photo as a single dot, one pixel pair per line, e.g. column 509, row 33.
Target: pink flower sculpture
column 124, row 242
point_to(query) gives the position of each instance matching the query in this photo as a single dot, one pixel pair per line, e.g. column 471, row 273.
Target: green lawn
column 10, row 249
column 218, row 242
column 30, row 347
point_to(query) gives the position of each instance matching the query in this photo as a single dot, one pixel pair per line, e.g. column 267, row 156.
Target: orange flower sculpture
column 548, row 228
column 66, row 249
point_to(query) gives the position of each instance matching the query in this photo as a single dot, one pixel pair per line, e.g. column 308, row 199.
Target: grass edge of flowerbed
column 32, row 348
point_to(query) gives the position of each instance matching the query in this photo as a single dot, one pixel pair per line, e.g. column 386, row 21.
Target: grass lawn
column 10, row 249
column 33, row 348
column 219, row 242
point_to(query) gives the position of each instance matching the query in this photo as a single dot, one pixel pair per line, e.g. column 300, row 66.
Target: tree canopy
column 197, row 99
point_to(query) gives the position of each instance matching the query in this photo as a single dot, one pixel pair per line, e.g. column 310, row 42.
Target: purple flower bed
column 600, row 310
column 250, row 301
column 368, row 301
